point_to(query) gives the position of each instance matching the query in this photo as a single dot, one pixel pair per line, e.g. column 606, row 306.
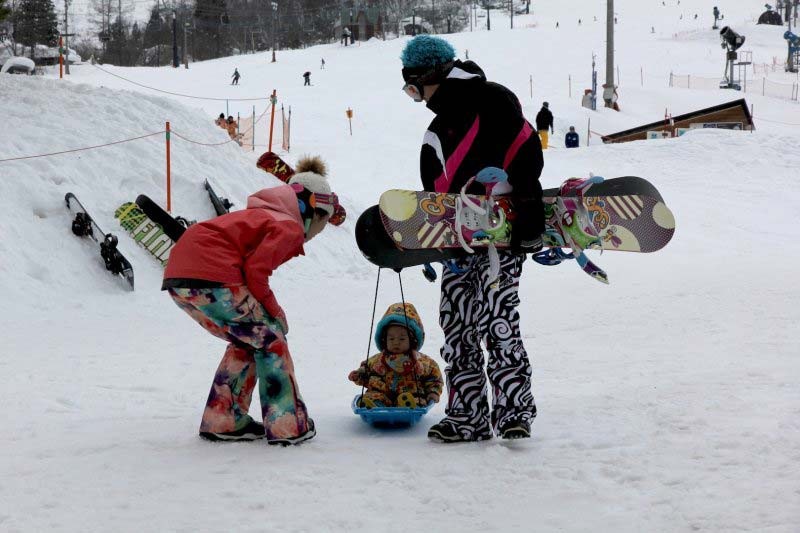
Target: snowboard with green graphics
column 620, row 214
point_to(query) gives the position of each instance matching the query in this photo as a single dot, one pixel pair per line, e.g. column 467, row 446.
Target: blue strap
column 552, row 256
column 451, row 265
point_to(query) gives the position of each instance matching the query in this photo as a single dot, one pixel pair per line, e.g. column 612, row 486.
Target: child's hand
column 432, row 397
column 356, row 375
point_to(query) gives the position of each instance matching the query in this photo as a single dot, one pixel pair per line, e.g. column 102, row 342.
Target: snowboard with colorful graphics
column 151, row 231
column 411, row 227
column 83, row 225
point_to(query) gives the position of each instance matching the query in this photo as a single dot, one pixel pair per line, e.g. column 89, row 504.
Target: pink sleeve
column 282, row 241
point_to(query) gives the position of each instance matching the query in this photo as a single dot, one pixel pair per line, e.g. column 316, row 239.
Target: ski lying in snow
column 221, row 205
column 84, row 226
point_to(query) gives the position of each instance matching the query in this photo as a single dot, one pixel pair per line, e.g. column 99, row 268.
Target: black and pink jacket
column 479, row 124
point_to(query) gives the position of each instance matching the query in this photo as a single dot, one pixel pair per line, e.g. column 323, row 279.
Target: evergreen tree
column 156, row 36
column 211, row 40
column 116, row 52
column 35, row 23
column 135, row 45
column 4, row 11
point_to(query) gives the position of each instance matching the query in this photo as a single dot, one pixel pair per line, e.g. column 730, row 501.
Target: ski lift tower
column 731, row 41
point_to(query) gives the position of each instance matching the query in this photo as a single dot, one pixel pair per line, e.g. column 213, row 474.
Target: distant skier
column 345, row 35
column 479, row 124
column 307, row 78
column 218, row 273
column 235, row 77
column 544, row 122
column 322, row 64
column 572, row 140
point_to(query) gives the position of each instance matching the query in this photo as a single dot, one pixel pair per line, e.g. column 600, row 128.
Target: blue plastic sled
column 390, row 417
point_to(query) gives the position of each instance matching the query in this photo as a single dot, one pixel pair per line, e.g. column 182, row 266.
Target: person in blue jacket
column 572, row 140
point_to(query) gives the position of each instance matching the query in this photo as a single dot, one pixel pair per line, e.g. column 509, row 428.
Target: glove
column 525, row 233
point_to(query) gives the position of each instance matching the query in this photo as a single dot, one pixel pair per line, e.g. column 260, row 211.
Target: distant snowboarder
column 235, row 77
column 307, row 78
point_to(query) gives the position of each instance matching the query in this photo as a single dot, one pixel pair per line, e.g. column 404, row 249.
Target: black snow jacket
column 572, row 140
column 480, row 124
column 544, row 119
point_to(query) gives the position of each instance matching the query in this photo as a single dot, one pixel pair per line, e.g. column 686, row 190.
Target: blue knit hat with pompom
column 426, row 51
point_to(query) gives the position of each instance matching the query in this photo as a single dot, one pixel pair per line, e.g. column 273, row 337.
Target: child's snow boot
column 252, row 431
column 308, row 435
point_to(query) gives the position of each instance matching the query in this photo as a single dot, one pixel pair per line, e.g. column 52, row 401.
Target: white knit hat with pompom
column 311, row 173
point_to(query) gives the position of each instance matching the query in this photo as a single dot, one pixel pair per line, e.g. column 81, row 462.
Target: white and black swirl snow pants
column 473, row 311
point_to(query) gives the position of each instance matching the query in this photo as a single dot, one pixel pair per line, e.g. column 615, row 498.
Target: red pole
column 169, row 188
column 273, row 100
column 60, row 58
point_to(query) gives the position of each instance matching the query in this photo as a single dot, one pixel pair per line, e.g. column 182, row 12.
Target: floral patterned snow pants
column 257, row 349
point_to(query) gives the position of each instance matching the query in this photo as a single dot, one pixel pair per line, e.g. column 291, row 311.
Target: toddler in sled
column 399, row 376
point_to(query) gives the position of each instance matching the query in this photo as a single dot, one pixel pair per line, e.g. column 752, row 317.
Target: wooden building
column 362, row 17
column 732, row 116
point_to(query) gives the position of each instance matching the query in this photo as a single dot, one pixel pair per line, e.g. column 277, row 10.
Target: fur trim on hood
column 397, row 316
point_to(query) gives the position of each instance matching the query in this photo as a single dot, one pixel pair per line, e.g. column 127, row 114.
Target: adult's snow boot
column 455, row 429
column 514, row 429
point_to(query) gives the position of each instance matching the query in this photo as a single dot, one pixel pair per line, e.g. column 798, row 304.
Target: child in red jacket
column 218, row 273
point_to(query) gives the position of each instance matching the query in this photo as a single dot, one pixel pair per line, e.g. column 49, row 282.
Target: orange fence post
column 350, row 119
column 169, row 188
column 273, row 100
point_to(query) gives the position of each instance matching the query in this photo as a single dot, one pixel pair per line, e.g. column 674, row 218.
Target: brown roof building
column 732, row 116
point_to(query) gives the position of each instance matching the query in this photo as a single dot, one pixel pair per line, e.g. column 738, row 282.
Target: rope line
column 180, row 94
column 198, row 142
column 81, row 149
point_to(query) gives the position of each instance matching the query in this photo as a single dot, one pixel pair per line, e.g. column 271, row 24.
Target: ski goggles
column 413, row 91
column 339, row 214
column 417, row 77
column 315, row 200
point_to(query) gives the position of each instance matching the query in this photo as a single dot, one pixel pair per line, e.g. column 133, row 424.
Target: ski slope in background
column 668, row 401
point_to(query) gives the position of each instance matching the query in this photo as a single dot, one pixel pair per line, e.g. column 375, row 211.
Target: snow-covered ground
column 668, row 401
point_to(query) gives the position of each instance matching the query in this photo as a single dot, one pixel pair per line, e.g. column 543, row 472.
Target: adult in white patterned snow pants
column 479, row 124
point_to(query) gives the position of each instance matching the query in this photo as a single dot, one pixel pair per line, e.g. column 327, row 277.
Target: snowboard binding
column 483, row 221
column 82, row 225
column 569, row 225
column 111, row 256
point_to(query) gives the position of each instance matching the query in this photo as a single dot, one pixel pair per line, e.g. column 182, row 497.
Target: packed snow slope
column 668, row 400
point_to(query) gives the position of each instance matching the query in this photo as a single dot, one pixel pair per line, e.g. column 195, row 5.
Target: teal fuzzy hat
column 400, row 315
column 426, row 51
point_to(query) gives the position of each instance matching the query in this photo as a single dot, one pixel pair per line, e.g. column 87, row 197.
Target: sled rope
column 369, row 339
